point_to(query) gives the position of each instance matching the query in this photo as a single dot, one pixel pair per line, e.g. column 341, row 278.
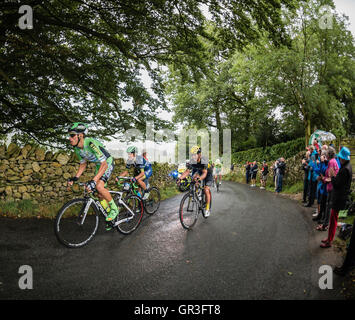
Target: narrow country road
column 255, row 245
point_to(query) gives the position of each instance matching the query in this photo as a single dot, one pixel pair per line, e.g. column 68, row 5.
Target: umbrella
column 321, row 136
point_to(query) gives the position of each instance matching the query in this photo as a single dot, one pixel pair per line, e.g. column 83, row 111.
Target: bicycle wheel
column 74, row 227
column 151, row 205
column 188, row 211
column 129, row 218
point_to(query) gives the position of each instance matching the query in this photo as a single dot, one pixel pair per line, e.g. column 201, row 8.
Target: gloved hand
column 91, row 185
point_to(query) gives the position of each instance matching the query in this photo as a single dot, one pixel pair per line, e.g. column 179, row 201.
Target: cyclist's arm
column 140, row 175
column 102, row 169
column 185, row 174
column 204, row 174
column 124, row 174
column 81, row 169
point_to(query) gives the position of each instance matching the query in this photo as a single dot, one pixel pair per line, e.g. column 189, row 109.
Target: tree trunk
column 219, row 127
column 307, row 130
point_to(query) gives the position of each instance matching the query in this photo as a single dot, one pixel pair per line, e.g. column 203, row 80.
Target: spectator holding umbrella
column 341, row 183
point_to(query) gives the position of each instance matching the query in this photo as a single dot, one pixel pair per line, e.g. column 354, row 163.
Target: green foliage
column 285, row 150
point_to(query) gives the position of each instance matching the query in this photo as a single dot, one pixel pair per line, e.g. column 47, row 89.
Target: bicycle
column 195, row 202
column 151, row 204
column 77, row 221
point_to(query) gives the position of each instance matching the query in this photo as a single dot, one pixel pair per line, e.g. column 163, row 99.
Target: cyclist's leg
column 141, row 182
column 104, row 193
column 207, row 190
column 101, row 185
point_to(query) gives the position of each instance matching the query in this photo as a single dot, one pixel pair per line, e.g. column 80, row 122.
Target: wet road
column 255, row 245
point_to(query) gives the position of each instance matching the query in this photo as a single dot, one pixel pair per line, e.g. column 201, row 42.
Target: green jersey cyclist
column 90, row 150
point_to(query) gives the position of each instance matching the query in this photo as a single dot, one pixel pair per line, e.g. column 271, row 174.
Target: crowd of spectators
column 278, row 168
column 327, row 182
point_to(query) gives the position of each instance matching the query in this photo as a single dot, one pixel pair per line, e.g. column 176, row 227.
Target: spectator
column 349, row 260
column 280, row 171
column 336, row 157
column 316, row 145
column 247, row 172
column 341, row 183
column 332, row 165
column 264, row 174
column 324, row 148
column 321, row 188
column 312, row 180
column 305, row 168
column 254, row 171
column 232, row 166
column 274, row 167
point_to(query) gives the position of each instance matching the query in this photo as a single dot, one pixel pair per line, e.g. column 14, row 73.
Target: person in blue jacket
column 312, row 180
column 321, row 187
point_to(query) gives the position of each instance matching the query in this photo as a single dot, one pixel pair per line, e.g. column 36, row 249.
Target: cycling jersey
column 94, row 151
column 218, row 166
column 198, row 167
column 140, row 164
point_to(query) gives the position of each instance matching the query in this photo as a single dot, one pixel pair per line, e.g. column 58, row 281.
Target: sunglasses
column 72, row 135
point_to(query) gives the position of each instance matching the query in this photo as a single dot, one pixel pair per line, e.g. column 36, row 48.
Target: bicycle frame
column 133, row 186
column 194, row 192
column 91, row 200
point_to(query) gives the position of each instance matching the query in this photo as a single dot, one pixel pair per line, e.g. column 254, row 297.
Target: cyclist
column 143, row 169
column 218, row 171
column 201, row 170
column 91, row 150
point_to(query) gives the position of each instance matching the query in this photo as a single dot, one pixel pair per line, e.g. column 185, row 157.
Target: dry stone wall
column 32, row 173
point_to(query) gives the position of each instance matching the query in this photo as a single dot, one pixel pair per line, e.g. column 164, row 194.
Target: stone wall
column 32, row 173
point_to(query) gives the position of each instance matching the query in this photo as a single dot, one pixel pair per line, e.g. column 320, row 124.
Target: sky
column 348, row 8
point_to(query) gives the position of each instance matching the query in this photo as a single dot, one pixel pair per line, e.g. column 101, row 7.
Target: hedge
column 285, row 149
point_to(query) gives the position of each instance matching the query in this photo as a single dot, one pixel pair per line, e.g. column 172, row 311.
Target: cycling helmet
column 78, row 127
column 195, row 150
column 218, row 161
column 132, row 149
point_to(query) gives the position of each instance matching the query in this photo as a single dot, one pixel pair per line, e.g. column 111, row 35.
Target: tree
column 312, row 79
column 83, row 59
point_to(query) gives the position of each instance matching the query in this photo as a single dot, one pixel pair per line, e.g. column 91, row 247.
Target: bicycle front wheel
column 188, row 211
column 76, row 223
column 151, row 205
column 130, row 215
